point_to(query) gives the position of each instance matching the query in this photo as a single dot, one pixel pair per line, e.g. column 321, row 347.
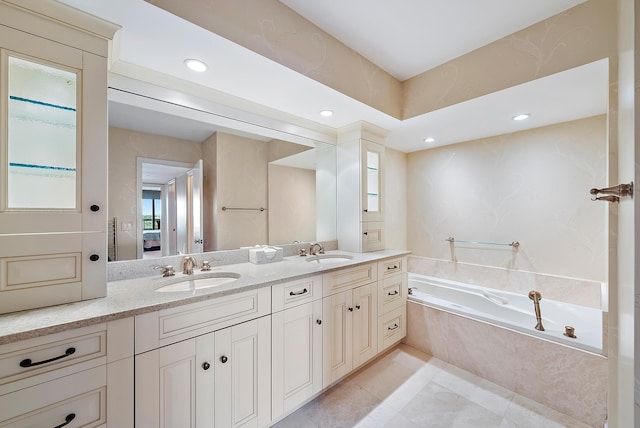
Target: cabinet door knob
column 365, row 233
column 94, row 207
column 358, row 307
column 366, row 210
column 319, row 322
column 94, row 257
column 206, row 365
column 67, row 420
column 350, row 309
column 224, row 359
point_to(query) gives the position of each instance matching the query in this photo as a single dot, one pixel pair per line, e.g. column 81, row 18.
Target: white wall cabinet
column 53, row 214
column 360, row 156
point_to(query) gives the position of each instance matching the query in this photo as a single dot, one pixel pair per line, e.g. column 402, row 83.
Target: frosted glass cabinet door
column 42, row 131
column 372, row 181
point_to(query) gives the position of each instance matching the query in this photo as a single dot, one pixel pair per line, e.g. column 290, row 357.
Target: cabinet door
column 372, row 161
column 296, row 356
column 243, row 374
column 53, row 139
column 337, row 346
column 365, row 323
column 174, row 386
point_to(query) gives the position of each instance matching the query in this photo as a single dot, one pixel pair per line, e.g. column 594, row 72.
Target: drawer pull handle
column 392, row 267
column 70, row 417
column 224, row 359
column 395, row 326
column 27, row 361
column 297, row 293
column 94, row 257
column 395, row 293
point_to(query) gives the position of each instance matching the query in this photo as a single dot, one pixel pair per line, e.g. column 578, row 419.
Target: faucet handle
column 302, row 252
column 167, row 270
column 205, row 266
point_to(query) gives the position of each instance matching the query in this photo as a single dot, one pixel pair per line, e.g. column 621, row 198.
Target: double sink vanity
column 238, row 345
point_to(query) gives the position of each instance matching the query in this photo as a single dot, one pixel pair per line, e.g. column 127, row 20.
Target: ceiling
column 264, row 86
column 408, row 38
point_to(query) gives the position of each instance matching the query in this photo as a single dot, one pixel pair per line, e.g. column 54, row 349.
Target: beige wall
column 531, row 186
column 242, row 182
column 125, row 146
column 292, row 204
column 395, row 201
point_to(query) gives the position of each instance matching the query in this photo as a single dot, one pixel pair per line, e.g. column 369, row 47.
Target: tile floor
column 408, row 389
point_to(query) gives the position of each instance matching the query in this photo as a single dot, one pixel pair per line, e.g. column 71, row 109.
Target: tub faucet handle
column 536, row 297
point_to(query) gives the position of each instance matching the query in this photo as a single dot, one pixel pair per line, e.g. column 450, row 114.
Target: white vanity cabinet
column 392, row 302
column 206, row 364
column 68, row 378
column 53, row 146
column 350, row 321
column 296, row 351
column 360, row 156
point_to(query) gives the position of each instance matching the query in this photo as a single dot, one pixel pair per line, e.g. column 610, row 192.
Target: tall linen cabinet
column 53, row 146
column 360, row 155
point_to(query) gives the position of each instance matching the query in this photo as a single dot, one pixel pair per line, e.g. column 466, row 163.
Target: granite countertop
column 131, row 297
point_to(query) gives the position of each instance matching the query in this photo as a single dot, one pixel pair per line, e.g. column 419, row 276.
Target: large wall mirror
column 180, row 183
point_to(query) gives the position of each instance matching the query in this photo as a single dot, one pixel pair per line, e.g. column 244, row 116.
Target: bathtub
column 511, row 310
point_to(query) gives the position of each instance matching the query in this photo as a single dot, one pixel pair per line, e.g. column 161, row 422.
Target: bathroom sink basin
column 329, row 258
column 199, row 283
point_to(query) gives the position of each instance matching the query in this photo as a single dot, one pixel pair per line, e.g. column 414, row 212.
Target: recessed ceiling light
column 521, row 116
column 326, row 113
column 429, row 140
column 195, row 65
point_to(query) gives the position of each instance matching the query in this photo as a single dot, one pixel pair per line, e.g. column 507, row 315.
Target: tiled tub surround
column 571, row 381
column 511, row 310
column 568, row 380
column 131, row 297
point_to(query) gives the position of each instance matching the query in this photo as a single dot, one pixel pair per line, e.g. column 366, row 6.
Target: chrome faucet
column 313, row 251
column 188, row 263
column 536, row 297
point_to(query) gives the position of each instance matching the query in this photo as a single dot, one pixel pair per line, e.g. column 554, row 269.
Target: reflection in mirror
column 255, row 190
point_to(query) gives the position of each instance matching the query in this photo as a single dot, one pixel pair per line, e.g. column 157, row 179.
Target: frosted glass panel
column 41, row 136
column 373, row 181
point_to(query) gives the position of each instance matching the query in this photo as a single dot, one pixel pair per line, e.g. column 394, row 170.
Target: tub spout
column 536, row 297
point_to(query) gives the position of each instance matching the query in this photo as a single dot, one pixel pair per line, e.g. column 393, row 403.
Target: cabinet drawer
column 392, row 328
column 168, row 326
column 372, row 236
column 80, row 397
column 392, row 293
column 387, row 268
column 32, row 361
column 294, row 293
column 346, row 279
